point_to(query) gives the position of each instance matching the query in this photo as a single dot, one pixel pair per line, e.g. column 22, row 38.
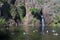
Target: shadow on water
column 4, row 34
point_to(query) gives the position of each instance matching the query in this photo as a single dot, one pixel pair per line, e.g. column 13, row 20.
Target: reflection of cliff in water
column 5, row 11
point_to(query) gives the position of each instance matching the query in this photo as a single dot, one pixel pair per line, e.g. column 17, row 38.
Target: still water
column 19, row 34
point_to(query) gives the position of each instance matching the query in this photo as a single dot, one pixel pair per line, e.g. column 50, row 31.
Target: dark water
column 19, row 34
column 52, row 34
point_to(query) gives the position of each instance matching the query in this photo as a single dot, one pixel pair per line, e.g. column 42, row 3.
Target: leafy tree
column 35, row 12
column 22, row 11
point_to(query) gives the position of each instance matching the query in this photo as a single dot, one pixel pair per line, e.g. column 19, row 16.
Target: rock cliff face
column 47, row 8
column 48, row 15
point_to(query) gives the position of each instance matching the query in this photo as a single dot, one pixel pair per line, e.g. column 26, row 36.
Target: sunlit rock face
column 47, row 15
column 28, row 19
column 49, row 10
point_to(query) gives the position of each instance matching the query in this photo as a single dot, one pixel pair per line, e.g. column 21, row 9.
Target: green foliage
column 33, row 21
column 35, row 12
column 12, row 11
column 56, row 15
column 56, row 21
column 56, row 18
column 40, row 1
column 1, row 0
column 2, row 21
column 22, row 11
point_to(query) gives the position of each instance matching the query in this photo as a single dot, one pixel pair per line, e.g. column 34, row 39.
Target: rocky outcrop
column 46, row 7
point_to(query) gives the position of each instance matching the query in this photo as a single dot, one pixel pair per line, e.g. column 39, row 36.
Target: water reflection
column 53, row 31
column 55, row 34
column 35, row 35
